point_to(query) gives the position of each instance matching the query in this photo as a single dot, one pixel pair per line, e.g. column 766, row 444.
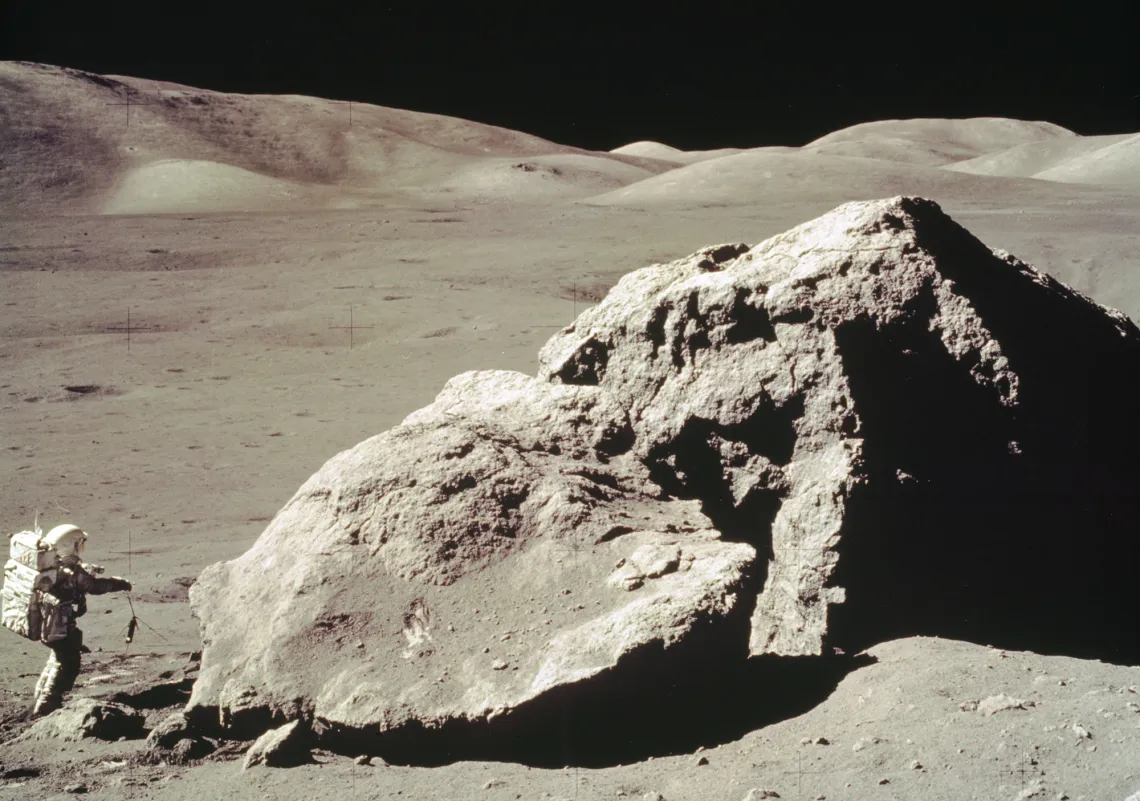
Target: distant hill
column 934, row 142
column 70, row 144
column 1030, row 159
column 74, row 142
column 1115, row 164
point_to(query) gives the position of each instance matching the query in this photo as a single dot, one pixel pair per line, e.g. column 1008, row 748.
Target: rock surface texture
column 83, row 718
column 869, row 426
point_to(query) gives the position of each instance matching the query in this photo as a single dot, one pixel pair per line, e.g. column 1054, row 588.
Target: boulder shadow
column 1009, row 526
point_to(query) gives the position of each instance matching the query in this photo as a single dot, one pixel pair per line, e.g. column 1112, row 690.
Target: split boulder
column 868, row 426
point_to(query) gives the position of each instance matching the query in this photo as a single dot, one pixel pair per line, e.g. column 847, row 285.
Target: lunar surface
column 209, row 296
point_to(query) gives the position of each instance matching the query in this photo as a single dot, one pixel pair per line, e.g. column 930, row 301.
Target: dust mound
column 1032, row 158
column 655, row 150
column 933, row 142
column 667, row 153
column 1115, row 164
column 181, row 185
column 780, row 175
column 870, row 426
column 563, row 175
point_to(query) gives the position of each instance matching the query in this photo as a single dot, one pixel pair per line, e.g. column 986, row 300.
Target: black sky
column 746, row 81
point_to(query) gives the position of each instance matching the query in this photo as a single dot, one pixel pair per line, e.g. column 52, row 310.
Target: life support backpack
column 29, row 575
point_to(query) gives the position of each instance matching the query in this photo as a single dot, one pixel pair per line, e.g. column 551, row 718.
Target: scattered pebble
column 884, row 781
column 1034, row 789
column 1001, row 703
column 1081, row 732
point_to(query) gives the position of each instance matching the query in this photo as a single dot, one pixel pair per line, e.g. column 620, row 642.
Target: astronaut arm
column 100, row 586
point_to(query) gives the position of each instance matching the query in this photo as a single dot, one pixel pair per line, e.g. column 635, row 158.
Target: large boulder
column 872, row 410
column 880, row 386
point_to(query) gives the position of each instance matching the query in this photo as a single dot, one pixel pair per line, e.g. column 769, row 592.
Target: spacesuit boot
column 59, row 674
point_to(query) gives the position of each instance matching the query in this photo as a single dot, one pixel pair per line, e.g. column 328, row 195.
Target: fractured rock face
column 877, row 375
column 871, row 425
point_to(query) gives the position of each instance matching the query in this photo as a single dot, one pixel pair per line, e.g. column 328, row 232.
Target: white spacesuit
column 63, row 603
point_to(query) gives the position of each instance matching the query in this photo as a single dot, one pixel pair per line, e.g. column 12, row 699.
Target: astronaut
column 62, row 604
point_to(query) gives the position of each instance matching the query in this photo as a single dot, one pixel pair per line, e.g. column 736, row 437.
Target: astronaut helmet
column 67, row 541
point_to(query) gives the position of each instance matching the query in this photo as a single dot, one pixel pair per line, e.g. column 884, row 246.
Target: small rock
column 1000, row 703
column 863, row 742
column 821, row 741
column 77, row 789
column 81, row 718
column 652, row 796
column 498, row 665
column 884, row 781
column 172, row 729
column 968, row 706
column 915, row 765
column 1081, row 732
column 363, row 759
column 282, row 747
column 756, row 794
column 190, row 748
column 493, row 783
column 702, row 761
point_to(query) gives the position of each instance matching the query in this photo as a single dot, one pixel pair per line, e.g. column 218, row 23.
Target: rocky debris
column 284, row 747
column 698, row 447
column 82, row 718
column 1000, row 703
column 756, row 794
